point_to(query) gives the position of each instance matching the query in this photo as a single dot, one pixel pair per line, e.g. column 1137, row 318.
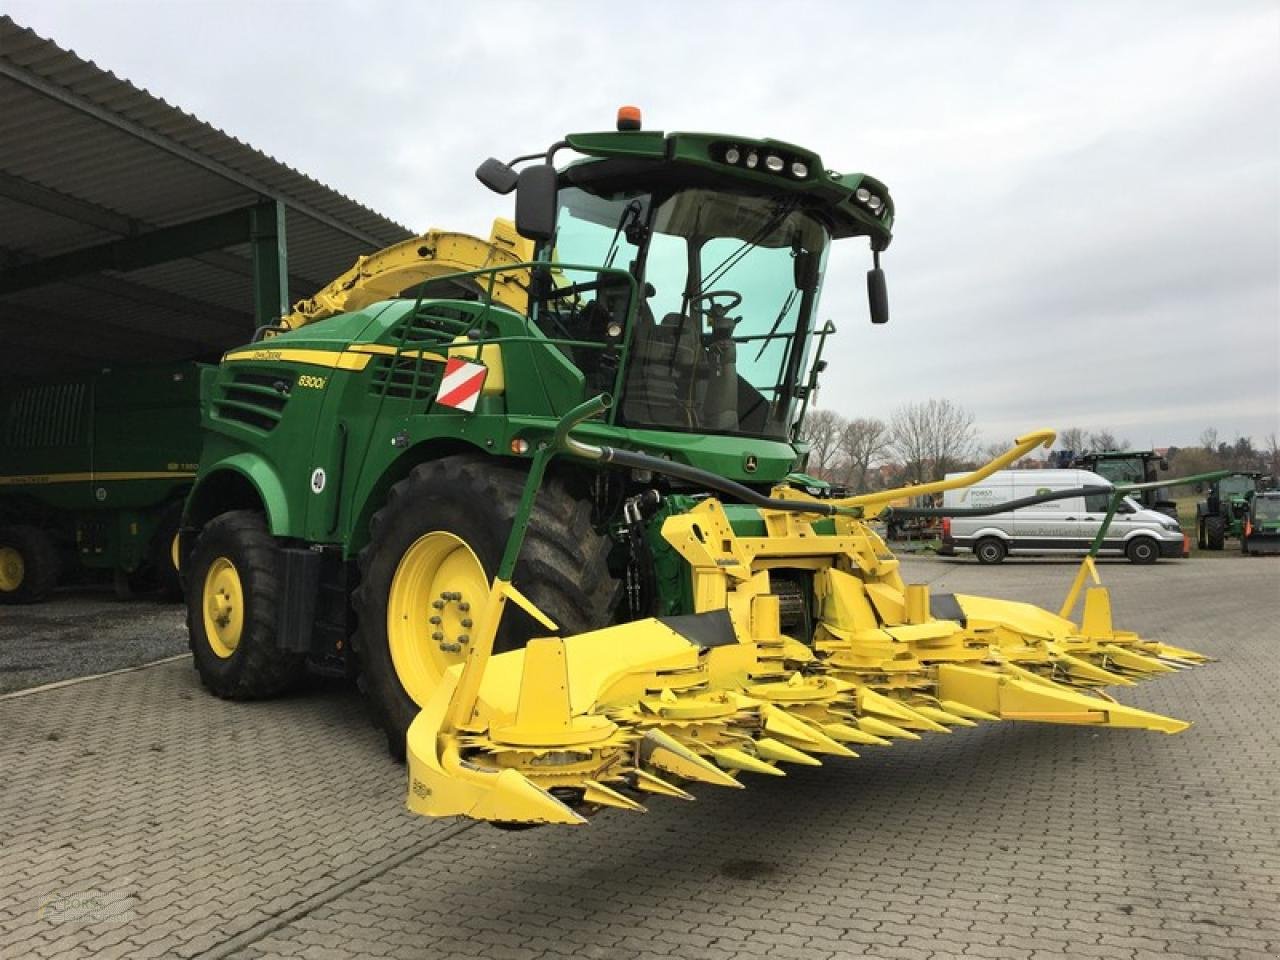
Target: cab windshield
column 728, row 286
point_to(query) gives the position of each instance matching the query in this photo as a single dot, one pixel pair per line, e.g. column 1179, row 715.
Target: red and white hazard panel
column 461, row 384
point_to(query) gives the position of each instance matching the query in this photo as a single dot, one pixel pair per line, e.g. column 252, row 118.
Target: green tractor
column 1222, row 514
column 354, row 463
column 93, row 474
column 1261, row 533
column 1131, row 466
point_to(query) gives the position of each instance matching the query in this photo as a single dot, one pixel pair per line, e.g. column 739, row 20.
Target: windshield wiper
column 784, row 210
column 631, row 211
column 777, row 321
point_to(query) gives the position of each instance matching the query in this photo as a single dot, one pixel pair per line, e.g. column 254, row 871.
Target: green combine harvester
column 93, row 474
column 539, row 503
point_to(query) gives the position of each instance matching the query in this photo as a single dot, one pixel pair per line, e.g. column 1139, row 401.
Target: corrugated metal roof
column 85, row 158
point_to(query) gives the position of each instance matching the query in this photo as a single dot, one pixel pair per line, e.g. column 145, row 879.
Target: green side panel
column 97, row 461
column 330, row 416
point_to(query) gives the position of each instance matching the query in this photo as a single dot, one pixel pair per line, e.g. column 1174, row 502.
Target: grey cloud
column 1087, row 194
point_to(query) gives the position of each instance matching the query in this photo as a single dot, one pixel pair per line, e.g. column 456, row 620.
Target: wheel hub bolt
column 437, row 636
column 464, row 606
column 450, row 647
column 463, row 638
column 434, row 620
column 466, row 622
column 438, row 604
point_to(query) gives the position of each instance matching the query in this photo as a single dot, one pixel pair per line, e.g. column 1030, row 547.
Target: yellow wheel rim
column 12, row 569
column 173, row 553
column 223, row 605
column 437, row 595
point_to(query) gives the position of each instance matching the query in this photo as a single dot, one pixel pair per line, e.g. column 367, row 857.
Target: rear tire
column 990, row 550
column 1215, row 532
column 164, row 554
column 233, row 592
column 29, row 564
column 1142, row 550
column 468, row 505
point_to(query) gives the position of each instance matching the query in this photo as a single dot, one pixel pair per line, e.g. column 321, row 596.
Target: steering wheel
column 733, row 296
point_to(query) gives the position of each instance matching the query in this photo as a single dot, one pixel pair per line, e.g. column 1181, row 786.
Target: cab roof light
column 779, row 162
column 628, row 118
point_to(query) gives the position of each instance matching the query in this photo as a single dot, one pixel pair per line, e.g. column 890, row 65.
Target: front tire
column 1215, row 532
column 29, row 564
column 425, row 575
column 990, row 550
column 233, row 592
column 1142, row 550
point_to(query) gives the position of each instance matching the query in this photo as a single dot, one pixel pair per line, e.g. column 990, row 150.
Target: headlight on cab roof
column 780, row 162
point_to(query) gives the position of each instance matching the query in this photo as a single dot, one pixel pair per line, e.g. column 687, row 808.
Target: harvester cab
column 546, row 509
column 724, row 240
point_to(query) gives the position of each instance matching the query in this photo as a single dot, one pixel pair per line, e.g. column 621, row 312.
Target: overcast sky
column 1088, row 194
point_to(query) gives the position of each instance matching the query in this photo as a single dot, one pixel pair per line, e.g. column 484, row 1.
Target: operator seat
column 663, row 357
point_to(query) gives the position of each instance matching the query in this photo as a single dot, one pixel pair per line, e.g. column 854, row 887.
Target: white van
column 1065, row 527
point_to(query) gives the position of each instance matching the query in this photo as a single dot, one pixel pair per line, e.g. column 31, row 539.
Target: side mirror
column 536, row 203
column 497, row 176
column 877, row 295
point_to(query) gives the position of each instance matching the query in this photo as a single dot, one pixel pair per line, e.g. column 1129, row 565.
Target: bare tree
column 863, row 442
column 1271, row 451
column 931, row 438
column 1074, row 439
column 1209, row 439
column 822, row 430
column 989, row 451
column 1106, row 440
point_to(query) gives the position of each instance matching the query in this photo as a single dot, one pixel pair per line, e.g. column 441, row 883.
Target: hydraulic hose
column 993, row 508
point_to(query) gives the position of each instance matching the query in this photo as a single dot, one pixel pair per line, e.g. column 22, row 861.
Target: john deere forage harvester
column 553, row 494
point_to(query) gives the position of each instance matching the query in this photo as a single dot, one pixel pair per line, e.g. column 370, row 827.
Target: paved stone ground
column 211, row 829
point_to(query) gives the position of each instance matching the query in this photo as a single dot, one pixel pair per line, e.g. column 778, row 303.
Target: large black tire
column 990, row 550
column 562, row 567
column 1215, row 531
column 35, row 573
column 255, row 668
column 1142, row 550
column 1201, row 539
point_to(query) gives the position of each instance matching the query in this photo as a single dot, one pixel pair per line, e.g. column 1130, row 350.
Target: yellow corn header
column 571, row 725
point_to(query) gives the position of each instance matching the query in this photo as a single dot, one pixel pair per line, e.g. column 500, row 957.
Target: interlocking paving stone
column 277, row 829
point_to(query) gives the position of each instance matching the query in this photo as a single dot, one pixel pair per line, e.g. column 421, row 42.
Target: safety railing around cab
column 478, row 326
